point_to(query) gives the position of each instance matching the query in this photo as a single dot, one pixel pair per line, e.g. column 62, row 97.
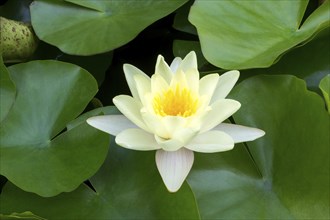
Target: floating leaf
column 7, row 91
column 325, row 88
column 35, row 155
column 241, row 35
column 72, row 25
column 288, row 177
column 128, row 186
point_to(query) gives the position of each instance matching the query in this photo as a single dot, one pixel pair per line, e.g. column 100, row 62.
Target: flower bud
column 17, row 40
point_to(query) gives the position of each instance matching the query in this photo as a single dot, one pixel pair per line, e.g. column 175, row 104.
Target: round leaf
column 283, row 175
column 72, row 25
column 35, row 155
column 128, row 186
column 241, row 35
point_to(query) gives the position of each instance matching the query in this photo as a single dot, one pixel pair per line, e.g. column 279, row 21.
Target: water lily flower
column 175, row 113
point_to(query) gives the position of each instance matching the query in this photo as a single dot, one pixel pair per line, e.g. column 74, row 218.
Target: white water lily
column 175, row 112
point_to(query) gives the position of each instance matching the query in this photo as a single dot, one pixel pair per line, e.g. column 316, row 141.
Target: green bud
column 17, row 40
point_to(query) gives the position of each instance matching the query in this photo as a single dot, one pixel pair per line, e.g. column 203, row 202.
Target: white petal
column 111, row 124
column 208, row 84
column 190, row 61
column 163, row 69
column 179, row 139
column 240, row 133
column 131, row 71
column 225, row 84
column 137, row 139
column 174, row 167
column 192, row 77
column 211, row 142
column 131, row 109
column 158, row 84
column 175, row 64
column 154, row 124
column 143, row 86
column 220, row 111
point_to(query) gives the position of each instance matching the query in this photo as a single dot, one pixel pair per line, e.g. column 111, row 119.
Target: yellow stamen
column 176, row 102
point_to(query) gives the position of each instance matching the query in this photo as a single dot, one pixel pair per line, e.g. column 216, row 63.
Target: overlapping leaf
column 7, row 91
column 36, row 154
column 325, row 88
column 292, row 158
column 90, row 27
column 128, row 186
column 241, row 35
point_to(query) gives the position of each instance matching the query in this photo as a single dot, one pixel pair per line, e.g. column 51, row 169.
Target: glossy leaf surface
column 241, row 35
column 36, row 153
column 85, row 27
column 128, row 186
column 290, row 177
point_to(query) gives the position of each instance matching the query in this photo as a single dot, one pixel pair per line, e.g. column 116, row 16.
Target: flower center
column 176, row 102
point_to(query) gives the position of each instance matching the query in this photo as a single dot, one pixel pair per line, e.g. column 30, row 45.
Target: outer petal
column 143, row 86
column 240, row 133
column 192, row 77
column 137, row 139
column 207, row 85
column 174, row 167
column 163, row 69
column 131, row 109
column 175, row 64
column 220, row 111
column 211, row 142
column 190, row 61
column 111, row 124
column 225, row 84
column 131, row 71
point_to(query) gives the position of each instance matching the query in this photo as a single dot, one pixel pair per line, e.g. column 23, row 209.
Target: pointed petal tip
column 174, row 167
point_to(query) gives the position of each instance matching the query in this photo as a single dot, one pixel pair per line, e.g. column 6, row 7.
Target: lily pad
column 241, row 35
column 325, row 88
column 285, row 174
column 71, row 25
column 7, row 91
column 37, row 154
column 128, row 186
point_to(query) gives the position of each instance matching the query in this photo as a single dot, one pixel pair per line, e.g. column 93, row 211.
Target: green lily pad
column 128, row 186
column 241, row 35
column 309, row 62
column 7, row 91
column 71, row 25
column 37, row 155
column 325, row 88
column 283, row 175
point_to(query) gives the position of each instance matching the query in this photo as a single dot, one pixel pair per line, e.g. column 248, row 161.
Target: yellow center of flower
column 176, row 102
